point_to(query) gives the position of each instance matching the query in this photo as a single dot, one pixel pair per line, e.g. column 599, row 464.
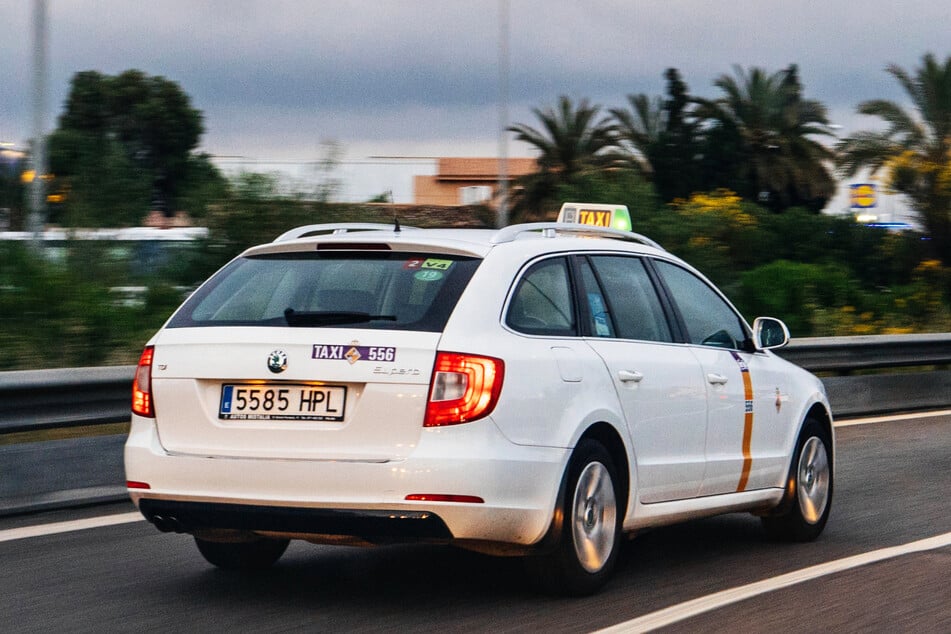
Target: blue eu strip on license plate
column 226, row 393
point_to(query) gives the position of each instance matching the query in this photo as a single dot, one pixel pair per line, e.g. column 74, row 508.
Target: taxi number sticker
column 352, row 353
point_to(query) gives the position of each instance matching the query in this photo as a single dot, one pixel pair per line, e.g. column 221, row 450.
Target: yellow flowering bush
column 722, row 203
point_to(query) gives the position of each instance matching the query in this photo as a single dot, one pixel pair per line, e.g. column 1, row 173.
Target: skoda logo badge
column 277, row 361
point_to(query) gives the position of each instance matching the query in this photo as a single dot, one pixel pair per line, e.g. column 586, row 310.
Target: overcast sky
column 277, row 78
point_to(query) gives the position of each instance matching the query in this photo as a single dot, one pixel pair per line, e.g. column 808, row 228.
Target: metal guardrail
column 844, row 355
column 878, row 374
column 43, row 399
column 866, row 375
column 33, row 400
column 51, row 474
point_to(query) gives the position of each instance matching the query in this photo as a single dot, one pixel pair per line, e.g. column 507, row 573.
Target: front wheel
column 258, row 554
column 805, row 508
column 585, row 553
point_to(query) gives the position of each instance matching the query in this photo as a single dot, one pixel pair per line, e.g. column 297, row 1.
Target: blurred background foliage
column 92, row 303
column 734, row 185
column 823, row 275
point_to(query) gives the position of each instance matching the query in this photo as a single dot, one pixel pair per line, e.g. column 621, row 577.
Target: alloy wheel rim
column 594, row 517
column 814, row 479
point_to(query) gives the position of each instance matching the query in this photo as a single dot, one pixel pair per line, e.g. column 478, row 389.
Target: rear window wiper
column 331, row 317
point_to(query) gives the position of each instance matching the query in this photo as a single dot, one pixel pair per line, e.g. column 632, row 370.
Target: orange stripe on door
column 747, row 423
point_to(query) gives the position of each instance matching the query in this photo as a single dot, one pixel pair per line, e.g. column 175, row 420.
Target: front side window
column 710, row 321
column 401, row 291
column 542, row 303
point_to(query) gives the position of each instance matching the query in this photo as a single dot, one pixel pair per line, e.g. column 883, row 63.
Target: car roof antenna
column 396, row 224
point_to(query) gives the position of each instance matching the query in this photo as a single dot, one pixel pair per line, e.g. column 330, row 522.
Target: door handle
column 630, row 376
column 717, row 379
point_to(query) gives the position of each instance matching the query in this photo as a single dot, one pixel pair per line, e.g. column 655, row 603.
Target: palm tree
column 659, row 138
column 640, row 129
column 571, row 141
column 764, row 129
column 915, row 149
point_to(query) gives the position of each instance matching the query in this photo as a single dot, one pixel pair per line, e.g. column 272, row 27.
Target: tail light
column 142, row 385
column 464, row 388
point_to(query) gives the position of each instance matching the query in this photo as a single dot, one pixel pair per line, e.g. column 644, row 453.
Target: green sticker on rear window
column 428, row 276
column 439, row 265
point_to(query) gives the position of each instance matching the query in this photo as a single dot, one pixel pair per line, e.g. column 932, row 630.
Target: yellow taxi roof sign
column 596, row 215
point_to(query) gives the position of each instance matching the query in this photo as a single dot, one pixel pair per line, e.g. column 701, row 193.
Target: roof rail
column 550, row 229
column 336, row 228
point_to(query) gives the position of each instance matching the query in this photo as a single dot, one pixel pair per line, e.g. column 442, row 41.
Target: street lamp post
column 503, row 215
column 37, row 197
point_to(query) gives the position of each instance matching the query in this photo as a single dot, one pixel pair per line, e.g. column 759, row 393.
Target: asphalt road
column 892, row 488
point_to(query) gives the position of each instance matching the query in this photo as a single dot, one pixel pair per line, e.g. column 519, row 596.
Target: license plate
column 286, row 401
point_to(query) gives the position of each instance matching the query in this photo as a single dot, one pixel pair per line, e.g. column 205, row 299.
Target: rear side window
column 402, row 291
column 542, row 303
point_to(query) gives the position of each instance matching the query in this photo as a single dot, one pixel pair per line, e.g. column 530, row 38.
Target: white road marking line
column 26, row 532
column 690, row 609
column 886, row 419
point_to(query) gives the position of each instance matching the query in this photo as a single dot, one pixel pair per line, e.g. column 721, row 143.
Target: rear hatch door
column 301, row 353
column 337, row 395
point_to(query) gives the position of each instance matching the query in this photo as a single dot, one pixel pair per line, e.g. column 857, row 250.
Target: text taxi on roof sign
column 596, row 215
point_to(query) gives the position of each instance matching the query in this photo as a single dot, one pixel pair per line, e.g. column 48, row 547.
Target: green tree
column 12, row 192
column 765, row 132
column 202, row 186
column 797, row 292
column 124, row 143
column 915, row 148
column 572, row 140
column 660, row 138
column 255, row 187
column 327, row 185
column 639, row 130
column 621, row 186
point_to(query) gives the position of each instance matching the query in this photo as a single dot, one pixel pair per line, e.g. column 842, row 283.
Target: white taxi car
column 542, row 390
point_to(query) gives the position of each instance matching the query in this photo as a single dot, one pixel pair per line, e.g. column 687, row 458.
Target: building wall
column 454, row 174
column 428, row 190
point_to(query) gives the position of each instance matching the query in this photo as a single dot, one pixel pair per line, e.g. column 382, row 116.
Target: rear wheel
column 590, row 533
column 805, row 509
column 258, row 554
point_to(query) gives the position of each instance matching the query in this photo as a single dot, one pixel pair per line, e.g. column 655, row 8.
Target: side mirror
column 769, row 332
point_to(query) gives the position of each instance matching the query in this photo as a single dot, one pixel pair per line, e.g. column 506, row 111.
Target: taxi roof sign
column 596, row 215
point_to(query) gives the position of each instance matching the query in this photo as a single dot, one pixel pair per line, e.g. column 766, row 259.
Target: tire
column 589, row 536
column 259, row 554
column 805, row 508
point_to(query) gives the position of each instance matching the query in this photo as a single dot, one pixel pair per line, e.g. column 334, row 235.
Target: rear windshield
column 402, row 291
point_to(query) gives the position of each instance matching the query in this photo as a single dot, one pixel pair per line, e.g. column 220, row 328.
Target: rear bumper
column 371, row 526
column 517, row 485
